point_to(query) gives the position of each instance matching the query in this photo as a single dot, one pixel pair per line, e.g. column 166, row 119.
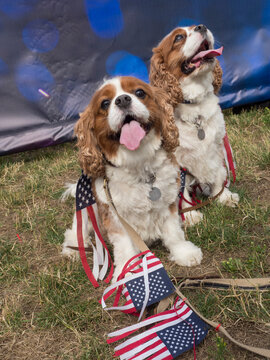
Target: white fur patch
column 194, row 40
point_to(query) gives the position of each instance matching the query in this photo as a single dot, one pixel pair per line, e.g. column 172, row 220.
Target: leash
column 261, row 284
column 204, row 203
column 195, row 204
column 140, row 244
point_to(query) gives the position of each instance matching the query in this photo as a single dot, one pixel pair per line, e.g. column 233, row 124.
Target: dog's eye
column 105, row 104
column 140, row 93
column 178, row 37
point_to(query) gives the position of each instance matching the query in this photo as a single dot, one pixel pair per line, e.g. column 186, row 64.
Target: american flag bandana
column 85, row 206
column 176, row 331
column 229, row 159
column 148, row 284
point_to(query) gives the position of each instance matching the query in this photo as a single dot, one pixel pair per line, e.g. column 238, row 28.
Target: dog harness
column 196, row 203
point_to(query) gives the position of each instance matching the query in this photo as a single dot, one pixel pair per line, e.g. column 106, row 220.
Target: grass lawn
column 49, row 310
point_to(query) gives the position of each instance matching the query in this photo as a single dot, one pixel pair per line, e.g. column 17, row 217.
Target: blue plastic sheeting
column 53, row 55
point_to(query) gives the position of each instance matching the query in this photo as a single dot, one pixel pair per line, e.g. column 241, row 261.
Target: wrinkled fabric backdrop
column 53, row 55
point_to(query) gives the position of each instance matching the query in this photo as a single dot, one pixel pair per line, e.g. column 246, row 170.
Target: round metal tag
column 201, row 134
column 154, row 194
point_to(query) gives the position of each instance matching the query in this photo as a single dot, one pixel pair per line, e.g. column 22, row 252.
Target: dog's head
column 187, row 51
column 126, row 121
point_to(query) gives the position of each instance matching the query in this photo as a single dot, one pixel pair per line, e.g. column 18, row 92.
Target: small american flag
column 176, row 331
column 148, row 284
column 85, row 202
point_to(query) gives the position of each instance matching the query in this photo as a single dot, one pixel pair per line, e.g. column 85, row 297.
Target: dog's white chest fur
column 130, row 193
column 200, row 157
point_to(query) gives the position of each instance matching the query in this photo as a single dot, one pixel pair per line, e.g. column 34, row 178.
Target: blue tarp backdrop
column 54, row 53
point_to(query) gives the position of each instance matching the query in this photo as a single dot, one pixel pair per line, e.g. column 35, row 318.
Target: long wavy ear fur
column 217, row 77
column 90, row 158
column 162, row 78
column 169, row 130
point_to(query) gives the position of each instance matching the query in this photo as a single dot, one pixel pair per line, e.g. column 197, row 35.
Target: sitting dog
column 184, row 65
column 128, row 133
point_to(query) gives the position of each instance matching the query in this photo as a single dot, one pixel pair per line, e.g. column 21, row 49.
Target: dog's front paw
column 116, row 273
column 70, row 240
column 70, row 253
column 193, row 217
column 187, row 254
column 228, row 198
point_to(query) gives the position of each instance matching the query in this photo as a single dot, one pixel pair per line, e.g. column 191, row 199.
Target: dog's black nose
column 201, row 28
column 123, row 101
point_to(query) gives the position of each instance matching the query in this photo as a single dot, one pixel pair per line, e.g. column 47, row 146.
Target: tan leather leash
column 135, row 237
column 261, row 284
column 140, row 244
column 204, row 203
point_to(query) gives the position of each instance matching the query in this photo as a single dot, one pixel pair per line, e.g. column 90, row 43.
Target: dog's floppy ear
column 217, row 77
column 162, row 78
column 169, row 130
column 90, row 157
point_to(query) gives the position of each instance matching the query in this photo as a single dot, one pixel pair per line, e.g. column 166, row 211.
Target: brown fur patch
column 93, row 133
column 107, row 223
column 173, row 208
column 101, row 129
column 171, row 52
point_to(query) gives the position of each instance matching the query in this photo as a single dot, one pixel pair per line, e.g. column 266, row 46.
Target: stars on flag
column 84, row 193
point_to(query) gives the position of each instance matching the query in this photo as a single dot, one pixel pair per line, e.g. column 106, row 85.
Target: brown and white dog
column 128, row 133
column 184, row 65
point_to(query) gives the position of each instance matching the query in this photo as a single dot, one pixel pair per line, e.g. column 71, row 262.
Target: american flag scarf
column 175, row 331
column 85, row 206
column 147, row 284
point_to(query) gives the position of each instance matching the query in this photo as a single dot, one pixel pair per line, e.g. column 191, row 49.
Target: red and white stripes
column 142, row 346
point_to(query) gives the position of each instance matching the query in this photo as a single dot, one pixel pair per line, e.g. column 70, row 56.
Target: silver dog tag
column 201, row 134
column 154, row 194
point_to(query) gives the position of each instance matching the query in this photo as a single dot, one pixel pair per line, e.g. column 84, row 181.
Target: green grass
column 49, row 309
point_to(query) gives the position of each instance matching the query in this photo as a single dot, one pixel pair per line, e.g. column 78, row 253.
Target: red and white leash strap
column 229, row 159
column 194, row 201
column 147, row 284
column 102, row 262
column 176, row 331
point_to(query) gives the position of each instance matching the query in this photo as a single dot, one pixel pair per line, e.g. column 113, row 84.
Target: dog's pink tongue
column 131, row 135
column 207, row 54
